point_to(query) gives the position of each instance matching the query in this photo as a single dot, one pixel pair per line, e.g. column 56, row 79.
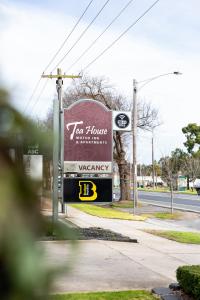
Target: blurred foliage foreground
column 23, row 272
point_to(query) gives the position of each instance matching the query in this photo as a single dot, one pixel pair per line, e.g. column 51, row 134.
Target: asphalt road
column 180, row 201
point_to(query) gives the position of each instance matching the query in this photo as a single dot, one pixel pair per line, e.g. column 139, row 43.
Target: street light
column 135, row 119
column 148, row 80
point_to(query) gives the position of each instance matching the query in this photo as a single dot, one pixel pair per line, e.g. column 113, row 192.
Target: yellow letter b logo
column 87, row 190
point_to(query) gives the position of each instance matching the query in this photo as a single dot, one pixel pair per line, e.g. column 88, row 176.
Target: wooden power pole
column 58, row 141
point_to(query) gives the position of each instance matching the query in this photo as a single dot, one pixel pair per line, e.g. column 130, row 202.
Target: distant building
column 145, row 181
column 142, row 181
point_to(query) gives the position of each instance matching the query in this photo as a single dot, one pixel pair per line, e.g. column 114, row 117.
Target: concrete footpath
column 106, row 265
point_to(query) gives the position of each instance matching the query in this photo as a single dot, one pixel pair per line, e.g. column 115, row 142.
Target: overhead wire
column 55, row 55
column 64, row 42
column 33, row 93
column 74, row 46
column 107, row 27
column 105, row 50
column 82, row 34
column 39, row 96
column 121, row 35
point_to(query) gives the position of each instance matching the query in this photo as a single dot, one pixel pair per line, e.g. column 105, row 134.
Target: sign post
column 55, row 158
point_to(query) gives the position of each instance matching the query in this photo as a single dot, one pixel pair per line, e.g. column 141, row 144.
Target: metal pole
column 55, row 158
column 59, row 84
column 172, row 197
column 153, row 166
column 64, row 206
column 134, row 113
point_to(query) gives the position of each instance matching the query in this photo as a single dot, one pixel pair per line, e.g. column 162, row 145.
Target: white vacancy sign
column 87, row 167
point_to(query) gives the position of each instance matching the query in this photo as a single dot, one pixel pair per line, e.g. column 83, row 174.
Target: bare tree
column 191, row 168
column 99, row 88
column 46, row 126
column 170, row 174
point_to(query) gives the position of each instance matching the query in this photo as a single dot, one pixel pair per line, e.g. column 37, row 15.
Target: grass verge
column 60, row 231
column 108, row 213
column 188, row 192
column 125, row 295
column 178, row 236
column 158, row 190
column 164, row 216
column 166, row 190
column 124, row 204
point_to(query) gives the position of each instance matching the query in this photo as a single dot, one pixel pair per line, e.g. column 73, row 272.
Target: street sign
column 32, row 149
column 93, row 190
column 122, row 120
column 87, row 138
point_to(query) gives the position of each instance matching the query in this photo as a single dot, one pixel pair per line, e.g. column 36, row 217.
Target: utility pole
column 59, row 83
column 134, row 115
column 55, row 159
column 153, row 165
column 58, row 141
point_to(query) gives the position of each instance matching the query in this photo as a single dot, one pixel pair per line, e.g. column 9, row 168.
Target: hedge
column 189, row 280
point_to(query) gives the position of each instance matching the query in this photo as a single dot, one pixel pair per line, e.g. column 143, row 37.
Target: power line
column 31, row 97
column 39, row 96
column 82, row 34
column 64, row 42
column 53, row 58
column 109, row 25
column 121, row 35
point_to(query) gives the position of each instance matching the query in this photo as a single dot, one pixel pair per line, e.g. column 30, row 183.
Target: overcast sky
column 164, row 40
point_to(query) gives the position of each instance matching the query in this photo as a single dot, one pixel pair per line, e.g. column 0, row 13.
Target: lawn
column 159, row 190
column 124, row 204
column 158, row 215
column 125, row 295
column 166, row 190
column 108, row 213
column 165, row 216
column 178, row 236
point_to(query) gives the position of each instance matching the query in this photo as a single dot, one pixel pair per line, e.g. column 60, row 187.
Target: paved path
column 106, row 265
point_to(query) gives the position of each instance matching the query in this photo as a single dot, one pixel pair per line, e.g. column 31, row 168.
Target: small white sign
column 86, row 167
column 122, row 120
column 34, row 166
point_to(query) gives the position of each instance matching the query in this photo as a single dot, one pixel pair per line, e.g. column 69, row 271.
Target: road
column 180, row 201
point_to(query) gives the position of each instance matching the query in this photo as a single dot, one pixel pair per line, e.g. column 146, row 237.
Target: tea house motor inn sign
column 87, row 138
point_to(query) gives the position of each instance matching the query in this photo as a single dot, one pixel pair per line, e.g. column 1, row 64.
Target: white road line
column 187, row 207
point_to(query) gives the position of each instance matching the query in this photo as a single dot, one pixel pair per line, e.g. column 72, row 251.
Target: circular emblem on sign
column 122, row 121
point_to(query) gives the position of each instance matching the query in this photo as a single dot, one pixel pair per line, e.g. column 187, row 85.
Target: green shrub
column 189, row 280
column 24, row 271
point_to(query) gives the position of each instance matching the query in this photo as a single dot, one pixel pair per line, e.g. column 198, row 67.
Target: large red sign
column 87, row 135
